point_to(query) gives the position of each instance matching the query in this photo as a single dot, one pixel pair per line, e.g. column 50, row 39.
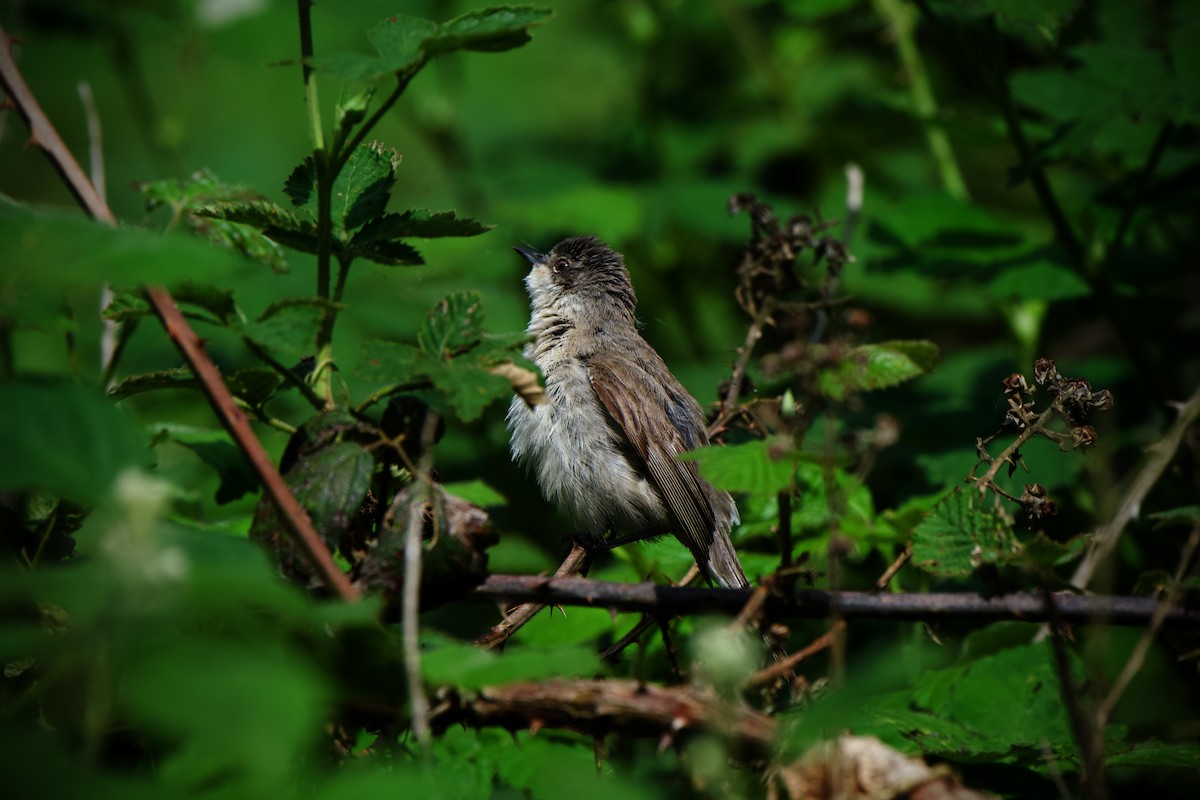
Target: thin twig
column 576, row 560
column 644, row 624
column 1138, row 656
column 1089, row 738
column 786, row 665
column 411, row 601
column 234, row 420
column 988, row 481
column 95, row 138
column 729, row 403
column 43, row 134
column 1162, row 453
column 665, row 601
column 895, row 566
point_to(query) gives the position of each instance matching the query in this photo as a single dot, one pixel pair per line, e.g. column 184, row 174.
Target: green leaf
column 1176, row 755
column 391, row 362
column 213, row 698
column 188, row 201
column 1184, row 515
column 175, row 378
column 477, row 492
column 301, row 183
column 389, row 253
column 328, row 468
column 750, row 467
column 255, row 385
column 961, row 533
column 363, row 187
column 421, row 224
column 489, row 30
column 238, row 478
column 876, row 366
column 1002, row 702
column 468, row 388
column 64, row 438
column 1044, row 280
column 453, row 325
column 399, row 39
column 468, row 667
column 289, row 325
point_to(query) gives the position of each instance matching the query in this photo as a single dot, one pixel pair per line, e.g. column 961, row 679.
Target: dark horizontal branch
column 816, row 604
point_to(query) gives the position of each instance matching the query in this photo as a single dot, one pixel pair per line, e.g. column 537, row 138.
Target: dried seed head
column 1045, row 370
column 1015, row 383
column 1083, row 436
column 1037, row 503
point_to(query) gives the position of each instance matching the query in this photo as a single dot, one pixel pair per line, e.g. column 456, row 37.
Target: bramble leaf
column 877, row 366
column 959, row 535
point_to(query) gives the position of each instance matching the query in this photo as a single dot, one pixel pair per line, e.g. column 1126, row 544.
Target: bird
column 604, row 447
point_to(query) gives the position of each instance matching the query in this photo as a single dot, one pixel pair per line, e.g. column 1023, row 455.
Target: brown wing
column 653, row 429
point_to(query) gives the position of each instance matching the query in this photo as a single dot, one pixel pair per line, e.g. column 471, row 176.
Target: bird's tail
column 723, row 567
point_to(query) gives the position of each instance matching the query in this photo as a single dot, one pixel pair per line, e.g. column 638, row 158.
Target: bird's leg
column 630, row 538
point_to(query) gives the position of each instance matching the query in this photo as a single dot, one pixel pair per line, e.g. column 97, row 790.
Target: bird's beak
column 532, row 256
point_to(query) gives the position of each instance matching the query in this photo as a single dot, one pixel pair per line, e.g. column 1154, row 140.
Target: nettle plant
column 347, row 463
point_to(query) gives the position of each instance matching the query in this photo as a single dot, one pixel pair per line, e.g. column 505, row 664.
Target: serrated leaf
column 363, row 187
column 391, row 362
column 217, row 302
column 391, row 254
column 126, row 304
column 329, row 472
column 1156, row 754
column 420, row 224
column 453, row 325
column 301, row 183
column 289, row 325
column 64, row 438
column 468, row 388
column 877, row 366
column 398, row 40
column 174, row 378
column 488, row 30
column 261, row 214
column 961, row 533
column 748, row 467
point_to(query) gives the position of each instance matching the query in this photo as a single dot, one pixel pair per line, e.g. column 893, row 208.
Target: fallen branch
column 816, row 604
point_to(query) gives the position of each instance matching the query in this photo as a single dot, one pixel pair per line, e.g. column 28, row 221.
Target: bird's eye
column 561, row 264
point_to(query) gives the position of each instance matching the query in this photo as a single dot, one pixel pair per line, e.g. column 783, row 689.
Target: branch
column 43, row 134
column 575, row 562
column 651, row 598
column 296, row 519
column 600, row 707
column 1162, row 453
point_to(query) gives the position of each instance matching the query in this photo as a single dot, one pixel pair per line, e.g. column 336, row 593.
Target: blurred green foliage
column 1030, row 190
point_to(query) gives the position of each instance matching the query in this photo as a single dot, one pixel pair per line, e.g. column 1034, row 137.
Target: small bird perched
column 604, row 445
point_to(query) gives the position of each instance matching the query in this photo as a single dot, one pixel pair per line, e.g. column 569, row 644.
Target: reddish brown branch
column 574, row 563
column 43, row 134
column 816, row 604
column 234, row 420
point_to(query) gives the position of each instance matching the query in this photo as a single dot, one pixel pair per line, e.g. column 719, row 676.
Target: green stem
column 316, row 128
column 902, row 21
column 342, row 151
column 285, row 373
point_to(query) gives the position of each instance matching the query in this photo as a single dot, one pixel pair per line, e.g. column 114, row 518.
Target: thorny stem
column 43, row 134
column 988, row 481
column 576, row 560
column 1138, row 657
column 730, row 402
